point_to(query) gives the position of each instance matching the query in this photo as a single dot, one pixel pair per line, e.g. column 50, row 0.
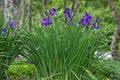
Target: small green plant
column 21, row 69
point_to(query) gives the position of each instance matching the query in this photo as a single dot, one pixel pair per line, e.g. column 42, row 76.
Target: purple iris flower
column 85, row 20
column 29, row 61
column 82, row 22
column 46, row 21
column 15, row 26
column 95, row 25
column 12, row 24
column 52, row 12
column 67, row 13
column 49, row 21
column 3, row 31
column 70, row 16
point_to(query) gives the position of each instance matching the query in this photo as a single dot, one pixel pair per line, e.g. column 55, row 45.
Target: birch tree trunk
column 23, row 13
column 30, row 14
column 116, row 36
column 11, row 10
column 16, row 5
column 6, row 11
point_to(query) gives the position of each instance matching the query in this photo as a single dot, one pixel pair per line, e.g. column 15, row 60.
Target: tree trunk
column 11, row 10
column 16, row 5
column 115, row 42
column 6, row 11
column 30, row 14
column 116, row 36
column 23, row 13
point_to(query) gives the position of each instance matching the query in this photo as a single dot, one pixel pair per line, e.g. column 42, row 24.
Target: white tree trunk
column 6, row 11
column 16, row 6
column 11, row 10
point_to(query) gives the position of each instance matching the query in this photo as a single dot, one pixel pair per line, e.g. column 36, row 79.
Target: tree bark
column 116, row 36
column 30, row 14
column 11, row 10
column 16, row 5
column 23, row 13
column 6, row 11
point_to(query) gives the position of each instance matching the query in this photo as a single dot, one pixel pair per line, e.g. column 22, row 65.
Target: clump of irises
column 84, row 21
column 11, row 25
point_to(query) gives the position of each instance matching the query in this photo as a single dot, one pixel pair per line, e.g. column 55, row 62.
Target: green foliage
column 117, row 3
column 1, row 17
column 107, row 69
column 20, row 68
column 10, row 47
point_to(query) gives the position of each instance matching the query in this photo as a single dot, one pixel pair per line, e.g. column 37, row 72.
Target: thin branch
column 73, row 5
column 77, row 6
